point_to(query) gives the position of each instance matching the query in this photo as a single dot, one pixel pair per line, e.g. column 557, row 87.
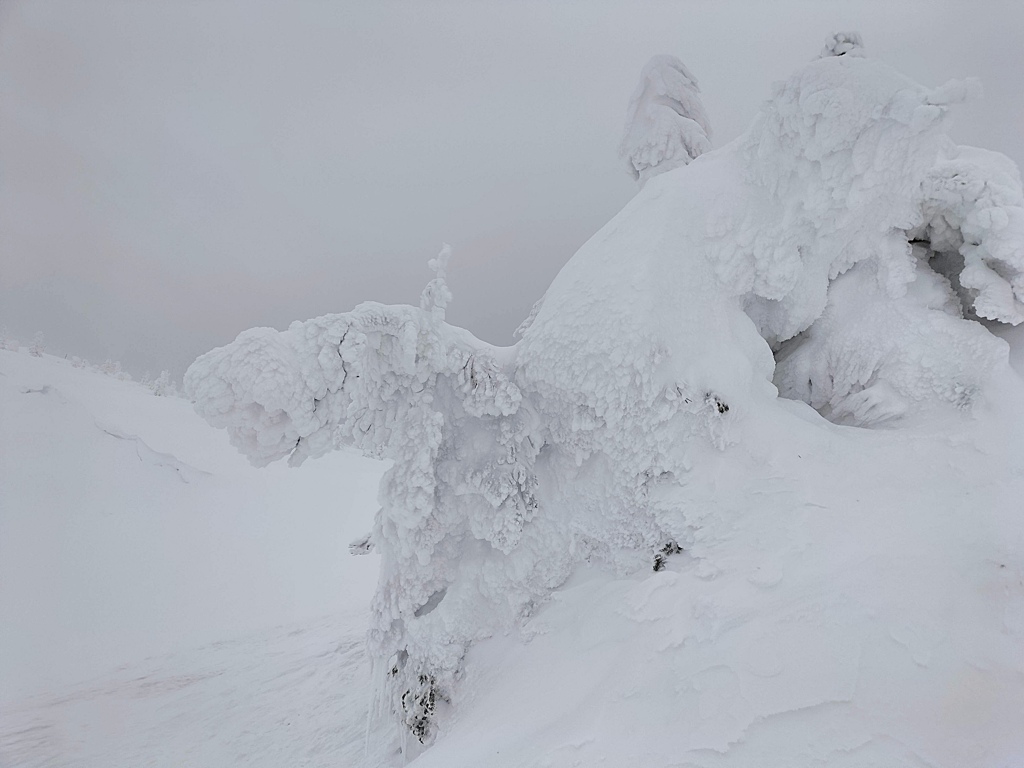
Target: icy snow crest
column 844, row 232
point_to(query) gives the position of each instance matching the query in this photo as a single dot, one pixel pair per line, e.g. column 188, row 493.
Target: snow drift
column 163, row 603
column 843, row 252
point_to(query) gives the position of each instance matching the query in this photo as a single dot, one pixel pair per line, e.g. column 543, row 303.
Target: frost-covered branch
column 974, row 213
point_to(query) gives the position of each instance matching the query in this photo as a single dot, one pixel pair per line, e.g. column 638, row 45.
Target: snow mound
column 143, row 565
column 636, row 426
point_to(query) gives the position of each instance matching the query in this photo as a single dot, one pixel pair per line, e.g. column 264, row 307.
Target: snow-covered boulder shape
column 637, row 417
column 666, row 123
column 870, row 359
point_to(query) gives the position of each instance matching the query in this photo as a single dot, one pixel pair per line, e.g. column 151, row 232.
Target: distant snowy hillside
column 163, row 602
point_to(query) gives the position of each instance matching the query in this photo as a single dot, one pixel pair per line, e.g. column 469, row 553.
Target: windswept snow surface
column 674, row 565
column 851, row 598
column 164, row 603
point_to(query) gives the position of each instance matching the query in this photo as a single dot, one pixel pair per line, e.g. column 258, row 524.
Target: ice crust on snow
column 842, row 249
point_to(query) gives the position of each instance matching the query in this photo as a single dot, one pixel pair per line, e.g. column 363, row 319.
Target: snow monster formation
column 666, row 123
column 843, row 252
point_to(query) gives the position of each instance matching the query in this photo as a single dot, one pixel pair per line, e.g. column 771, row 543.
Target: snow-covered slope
column 853, row 598
column 854, row 582
column 162, row 601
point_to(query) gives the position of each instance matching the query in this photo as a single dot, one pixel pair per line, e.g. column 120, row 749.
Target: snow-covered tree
column 843, row 44
column 666, row 124
column 844, row 234
column 400, row 383
column 7, row 341
column 164, row 386
column 38, row 345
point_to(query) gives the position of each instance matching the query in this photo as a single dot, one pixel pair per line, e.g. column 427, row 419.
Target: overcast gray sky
column 172, row 173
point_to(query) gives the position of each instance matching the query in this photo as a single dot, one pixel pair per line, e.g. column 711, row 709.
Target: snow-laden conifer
column 843, row 44
column 7, row 341
column 38, row 345
column 840, row 248
column 666, row 124
column 164, row 385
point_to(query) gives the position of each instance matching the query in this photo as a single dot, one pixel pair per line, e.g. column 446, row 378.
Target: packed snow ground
column 164, row 603
column 291, row 696
column 856, row 598
column 217, row 622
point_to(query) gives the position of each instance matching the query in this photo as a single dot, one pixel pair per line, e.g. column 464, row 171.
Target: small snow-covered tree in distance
column 666, row 123
column 38, row 345
column 843, row 44
column 7, row 341
column 163, row 386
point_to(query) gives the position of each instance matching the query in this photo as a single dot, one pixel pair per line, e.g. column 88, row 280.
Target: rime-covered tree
column 7, row 341
column 38, row 345
column 844, row 232
column 843, row 44
column 666, row 124
column 164, row 386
